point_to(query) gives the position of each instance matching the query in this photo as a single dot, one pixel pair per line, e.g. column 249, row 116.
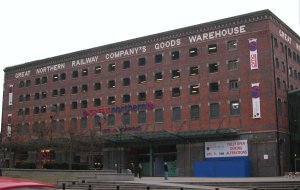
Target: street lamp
column 101, row 116
column 295, row 162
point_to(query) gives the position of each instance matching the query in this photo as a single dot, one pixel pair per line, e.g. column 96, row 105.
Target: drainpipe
column 276, row 108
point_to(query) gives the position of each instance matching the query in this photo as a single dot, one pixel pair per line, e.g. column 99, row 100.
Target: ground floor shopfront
column 268, row 152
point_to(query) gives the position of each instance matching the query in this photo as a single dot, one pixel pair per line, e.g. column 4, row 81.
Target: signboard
column 255, row 101
column 226, row 149
column 253, row 53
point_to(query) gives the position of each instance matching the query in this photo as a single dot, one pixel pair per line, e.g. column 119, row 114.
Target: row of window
column 214, row 112
column 296, row 57
column 158, row 94
column 158, row 58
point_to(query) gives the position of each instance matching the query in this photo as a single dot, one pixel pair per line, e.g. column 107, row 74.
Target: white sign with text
column 226, row 149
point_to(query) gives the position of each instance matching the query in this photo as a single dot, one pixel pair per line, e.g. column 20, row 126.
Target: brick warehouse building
column 204, row 96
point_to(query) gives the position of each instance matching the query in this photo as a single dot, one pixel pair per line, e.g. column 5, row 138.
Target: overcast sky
column 37, row 29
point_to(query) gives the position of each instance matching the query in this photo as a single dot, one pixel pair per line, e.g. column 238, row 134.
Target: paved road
column 195, row 182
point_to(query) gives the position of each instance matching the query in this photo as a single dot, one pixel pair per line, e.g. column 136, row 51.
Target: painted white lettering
column 217, row 34
column 22, row 74
column 167, row 44
column 284, row 36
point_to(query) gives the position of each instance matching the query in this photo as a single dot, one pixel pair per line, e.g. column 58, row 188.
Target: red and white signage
column 253, row 53
column 226, row 149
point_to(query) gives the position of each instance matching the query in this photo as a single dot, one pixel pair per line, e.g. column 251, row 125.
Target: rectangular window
column 62, row 91
column 194, row 71
column 111, row 67
column 175, row 73
column 175, row 92
column 126, row 64
column 37, row 81
column 63, row 76
column 54, row 93
column 214, row 87
column 111, row 84
column 84, row 104
column 278, row 82
column 141, row 79
column 37, row 96
column 126, row 118
column 194, row 112
column 142, row 117
column 275, row 42
column 62, row 107
column 111, row 120
column 74, row 89
column 214, row 110
column 27, row 83
column 111, row 100
column 234, row 108
column 55, row 77
column 142, row 61
column 84, row 88
column 176, row 114
column 97, row 102
column 36, row 110
column 97, row 69
column 44, row 95
column 213, row 68
column 84, row 72
column 158, row 94
column 234, row 84
column 158, row 76
column 277, row 63
column 175, row 55
column 75, row 74
column 44, row 80
column 142, row 96
column 43, row 109
column 232, row 45
column 126, row 81
column 158, row 58
column 74, row 105
column 233, row 64
column 194, row 89
column 193, row 52
column 126, row 98
column 27, row 97
column 97, row 86
column 212, row 48
column 74, row 123
column 159, row 116
column 83, row 122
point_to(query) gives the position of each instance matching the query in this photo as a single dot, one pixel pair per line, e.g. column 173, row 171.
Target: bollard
column 181, row 188
column 148, row 188
column 90, row 187
column 64, row 186
column 118, row 187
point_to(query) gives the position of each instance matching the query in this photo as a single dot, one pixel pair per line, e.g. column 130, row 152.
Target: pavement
column 183, row 181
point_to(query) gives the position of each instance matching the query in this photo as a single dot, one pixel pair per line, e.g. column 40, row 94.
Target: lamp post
column 101, row 116
column 295, row 162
